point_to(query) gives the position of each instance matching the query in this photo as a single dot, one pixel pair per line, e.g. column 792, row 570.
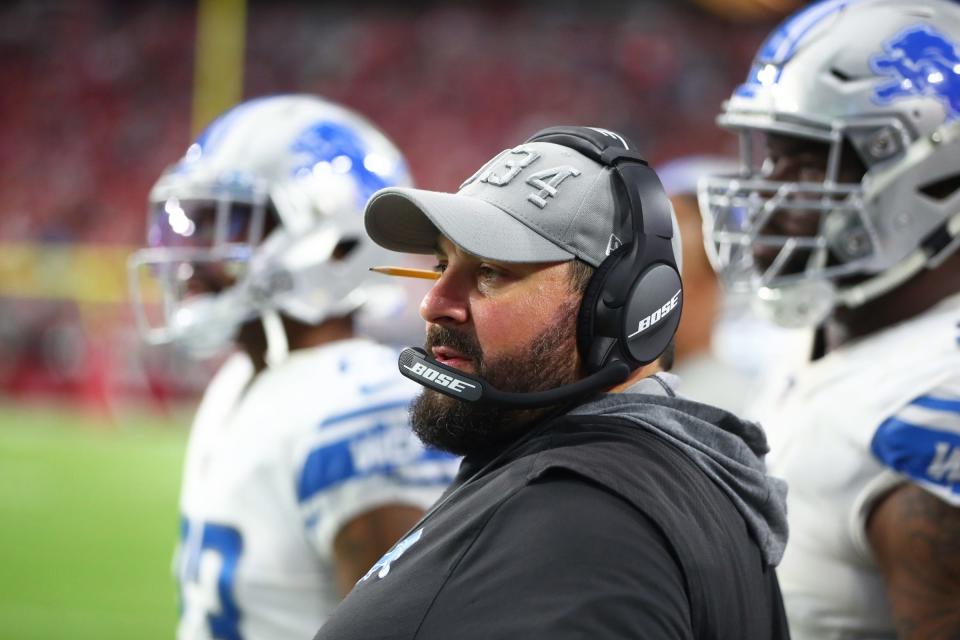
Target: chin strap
column 931, row 257
column 277, row 345
column 875, row 287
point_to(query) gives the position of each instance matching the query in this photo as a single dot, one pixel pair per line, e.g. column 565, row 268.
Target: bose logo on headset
column 657, row 316
column 442, row 379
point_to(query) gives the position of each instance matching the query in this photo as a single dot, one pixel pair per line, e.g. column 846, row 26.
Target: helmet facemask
column 792, row 224
column 196, row 266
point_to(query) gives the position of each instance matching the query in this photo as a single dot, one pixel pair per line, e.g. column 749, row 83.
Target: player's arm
column 362, row 481
column 914, row 531
column 364, row 539
column 915, row 537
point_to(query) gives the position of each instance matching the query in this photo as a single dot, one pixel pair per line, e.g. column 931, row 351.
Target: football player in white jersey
column 301, row 470
column 846, row 217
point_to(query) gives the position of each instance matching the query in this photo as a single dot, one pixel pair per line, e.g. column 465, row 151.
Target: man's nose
column 782, row 168
column 447, row 302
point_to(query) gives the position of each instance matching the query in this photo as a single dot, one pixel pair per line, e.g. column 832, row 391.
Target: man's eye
column 440, row 267
column 812, row 161
column 486, row 273
column 766, row 169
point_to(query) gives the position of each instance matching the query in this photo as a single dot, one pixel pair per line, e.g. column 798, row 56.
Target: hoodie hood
column 728, row 449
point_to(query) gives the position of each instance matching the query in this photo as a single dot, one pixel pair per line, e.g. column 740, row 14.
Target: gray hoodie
column 729, row 450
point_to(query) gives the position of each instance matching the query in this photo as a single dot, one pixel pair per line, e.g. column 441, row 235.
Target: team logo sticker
column 382, row 567
column 919, row 62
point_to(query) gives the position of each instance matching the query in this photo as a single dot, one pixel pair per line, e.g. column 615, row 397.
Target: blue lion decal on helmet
column 920, row 61
column 341, row 147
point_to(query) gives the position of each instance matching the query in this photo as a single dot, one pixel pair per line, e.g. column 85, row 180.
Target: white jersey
column 873, row 414
column 707, row 379
column 276, row 465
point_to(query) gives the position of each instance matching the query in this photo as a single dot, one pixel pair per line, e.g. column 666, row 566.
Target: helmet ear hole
column 344, row 248
column 271, row 219
column 840, row 75
column 852, row 165
column 941, row 189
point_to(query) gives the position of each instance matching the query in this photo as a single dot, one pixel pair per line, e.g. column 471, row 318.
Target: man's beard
column 462, row 428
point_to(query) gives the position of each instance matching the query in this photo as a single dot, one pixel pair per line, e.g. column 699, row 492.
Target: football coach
column 592, row 501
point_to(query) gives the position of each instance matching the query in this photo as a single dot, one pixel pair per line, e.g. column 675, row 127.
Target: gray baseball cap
column 537, row 202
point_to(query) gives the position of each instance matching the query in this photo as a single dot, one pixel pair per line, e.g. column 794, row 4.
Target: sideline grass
column 88, row 521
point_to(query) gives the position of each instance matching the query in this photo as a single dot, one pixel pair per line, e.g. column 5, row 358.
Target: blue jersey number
column 197, row 539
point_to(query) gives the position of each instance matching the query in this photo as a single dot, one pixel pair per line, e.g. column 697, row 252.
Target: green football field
column 88, row 522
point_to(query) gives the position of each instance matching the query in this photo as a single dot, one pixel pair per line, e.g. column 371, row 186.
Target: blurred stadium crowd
column 97, row 101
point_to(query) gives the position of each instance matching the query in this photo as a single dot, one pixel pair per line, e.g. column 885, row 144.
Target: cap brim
column 409, row 220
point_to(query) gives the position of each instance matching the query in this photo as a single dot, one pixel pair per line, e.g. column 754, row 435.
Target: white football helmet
column 264, row 215
column 876, row 78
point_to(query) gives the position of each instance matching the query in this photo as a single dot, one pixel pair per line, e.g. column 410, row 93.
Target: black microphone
column 415, row 364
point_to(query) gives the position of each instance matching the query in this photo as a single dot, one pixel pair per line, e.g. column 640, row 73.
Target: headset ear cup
column 587, row 315
column 653, row 310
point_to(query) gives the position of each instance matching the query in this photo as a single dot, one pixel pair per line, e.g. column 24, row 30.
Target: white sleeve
column 361, row 460
column 921, row 441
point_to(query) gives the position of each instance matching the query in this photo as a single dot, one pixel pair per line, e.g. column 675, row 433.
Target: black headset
column 631, row 307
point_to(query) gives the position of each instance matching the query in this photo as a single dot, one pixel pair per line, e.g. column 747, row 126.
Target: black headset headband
column 639, row 193
column 616, row 302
